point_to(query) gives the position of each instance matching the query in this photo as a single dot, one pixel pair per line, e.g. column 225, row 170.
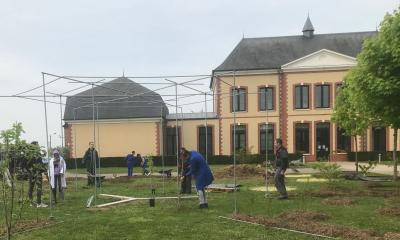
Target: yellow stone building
column 276, row 86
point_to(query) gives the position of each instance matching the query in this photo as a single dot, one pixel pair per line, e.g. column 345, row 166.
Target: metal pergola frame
column 126, row 95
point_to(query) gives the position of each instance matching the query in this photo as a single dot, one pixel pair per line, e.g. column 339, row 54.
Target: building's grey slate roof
column 192, row 116
column 145, row 103
column 273, row 52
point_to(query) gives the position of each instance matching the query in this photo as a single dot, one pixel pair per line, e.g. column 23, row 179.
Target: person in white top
column 57, row 170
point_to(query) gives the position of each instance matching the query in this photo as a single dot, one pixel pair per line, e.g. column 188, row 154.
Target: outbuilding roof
column 120, row 98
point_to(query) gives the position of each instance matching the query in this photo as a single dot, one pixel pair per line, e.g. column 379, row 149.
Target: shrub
column 365, row 168
column 328, row 171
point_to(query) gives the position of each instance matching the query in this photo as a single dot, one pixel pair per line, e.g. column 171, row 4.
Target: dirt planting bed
column 312, row 222
column 332, row 192
column 335, row 201
column 122, row 179
column 393, row 211
column 242, row 170
column 25, row 226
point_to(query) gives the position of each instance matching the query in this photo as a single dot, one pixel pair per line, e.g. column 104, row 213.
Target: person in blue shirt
column 130, row 161
column 201, row 172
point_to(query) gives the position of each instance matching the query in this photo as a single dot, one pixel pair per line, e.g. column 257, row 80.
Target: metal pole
column 182, row 136
column 266, row 157
column 61, row 123
column 234, row 140
column 162, row 147
column 206, row 127
column 94, row 141
column 266, row 145
column 47, row 142
column 76, row 164
column 98, row 143
column 177, row 142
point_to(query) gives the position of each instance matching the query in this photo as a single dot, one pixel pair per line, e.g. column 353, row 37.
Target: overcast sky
column 145, row 38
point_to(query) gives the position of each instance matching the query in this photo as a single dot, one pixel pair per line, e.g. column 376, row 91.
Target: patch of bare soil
column 122, row 179
column 312, row 222
column 377, row 185
column 327, row 193
column 385, row 193
column 335, row 201
column 330, row 192
column 391, row 236
column 393, row 211
column 24, row 226
column 392, row 201
column 335, row 191
column 242, row 170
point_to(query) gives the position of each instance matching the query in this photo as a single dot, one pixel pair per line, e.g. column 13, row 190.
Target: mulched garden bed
column 312, row 222
column 393, row 211
column 25, row 226
column 242, row 170
column 335, row 201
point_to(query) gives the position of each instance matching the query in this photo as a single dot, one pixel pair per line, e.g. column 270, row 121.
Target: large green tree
column 348, row 115
column 375, row 81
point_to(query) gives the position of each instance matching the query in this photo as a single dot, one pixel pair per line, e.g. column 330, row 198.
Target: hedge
column 171, row 160
column 373, row 156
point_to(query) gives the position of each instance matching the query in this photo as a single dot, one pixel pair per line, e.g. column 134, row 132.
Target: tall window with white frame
column 301, row 97
column 266, row 98
column 266, row 138
column 302, row 133
column 240, row 141
column 239, row 99
column 322, row 96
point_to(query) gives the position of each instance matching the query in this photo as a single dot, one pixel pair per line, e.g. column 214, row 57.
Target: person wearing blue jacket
column 201, row 172
column 130, row 161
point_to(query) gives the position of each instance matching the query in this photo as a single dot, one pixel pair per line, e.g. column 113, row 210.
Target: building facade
column 286, row 87
column 266, row 88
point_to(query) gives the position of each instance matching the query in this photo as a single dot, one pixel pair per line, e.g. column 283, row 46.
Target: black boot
column 54, row 196
column 203, row 205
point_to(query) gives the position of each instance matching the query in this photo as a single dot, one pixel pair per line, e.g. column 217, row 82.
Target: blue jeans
column 130, row 169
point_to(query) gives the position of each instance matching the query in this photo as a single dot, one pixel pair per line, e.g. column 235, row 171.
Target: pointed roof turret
column 308, row 29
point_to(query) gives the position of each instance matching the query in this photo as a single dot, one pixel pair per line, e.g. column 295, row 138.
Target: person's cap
column 56, row 152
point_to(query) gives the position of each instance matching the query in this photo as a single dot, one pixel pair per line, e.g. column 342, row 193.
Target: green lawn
column 165, row 221
column 136, row 170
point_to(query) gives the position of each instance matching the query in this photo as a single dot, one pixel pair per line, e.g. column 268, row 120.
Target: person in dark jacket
column 201, row 172
column 186, row 182
column 89, row 159
column 281, row 164
column 130, row 161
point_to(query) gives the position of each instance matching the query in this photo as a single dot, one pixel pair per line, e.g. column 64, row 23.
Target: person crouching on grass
column 281, row 164
column 201, row 172
column 57, row 169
